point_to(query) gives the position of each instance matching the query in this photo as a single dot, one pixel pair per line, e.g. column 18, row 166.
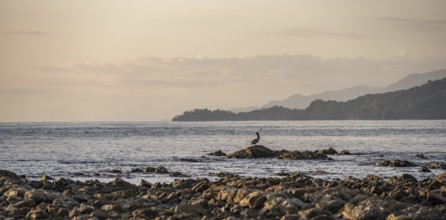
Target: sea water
column 93, row 150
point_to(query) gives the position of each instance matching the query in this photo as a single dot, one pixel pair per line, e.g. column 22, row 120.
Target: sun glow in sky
column 113, row 60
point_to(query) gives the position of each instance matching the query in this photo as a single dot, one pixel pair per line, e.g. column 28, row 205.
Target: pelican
column 255, row 141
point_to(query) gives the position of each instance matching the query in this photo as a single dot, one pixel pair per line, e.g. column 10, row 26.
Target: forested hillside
column 422, row 102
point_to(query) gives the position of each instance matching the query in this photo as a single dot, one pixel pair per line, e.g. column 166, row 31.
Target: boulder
column 218, row 153
column 39, row 195
column 329, row 151
column 256, row 151
column 157, row 170
column 424, row 170
column 421, row 157
column 253, row 200
column 344, row 152
column 305, row 155
column 437, row 165
column 9, row 174
column 436, row 198
column 189, row 208
column 396, row 163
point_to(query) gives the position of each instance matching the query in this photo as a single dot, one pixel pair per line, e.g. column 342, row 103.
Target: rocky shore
column 293, row 196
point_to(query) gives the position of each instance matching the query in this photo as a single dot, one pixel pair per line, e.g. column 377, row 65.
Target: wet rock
column 329, row 151
column 136, row 170
column 256, row 151
column 424, row 170
column 344, row 152
column 218, row 153
column 115, row 171
column 305, row 155
column 190, row 160
column 421, row 157
column 9, row 174
column 157, row 170
column 396, row 163
column 436, row 165
column 177, row 174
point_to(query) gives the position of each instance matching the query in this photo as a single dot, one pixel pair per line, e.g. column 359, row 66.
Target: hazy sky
column 106, row 60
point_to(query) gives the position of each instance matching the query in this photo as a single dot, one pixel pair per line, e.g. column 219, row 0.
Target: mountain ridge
column 301, row 101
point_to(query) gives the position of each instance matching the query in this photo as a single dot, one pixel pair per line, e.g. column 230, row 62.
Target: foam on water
column 93, row 149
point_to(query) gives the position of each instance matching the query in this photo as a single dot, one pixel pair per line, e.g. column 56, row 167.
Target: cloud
column 301, row 73
column 315, row 32
column 431, row 25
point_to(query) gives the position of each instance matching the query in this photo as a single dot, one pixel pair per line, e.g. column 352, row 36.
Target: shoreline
column 293, row 196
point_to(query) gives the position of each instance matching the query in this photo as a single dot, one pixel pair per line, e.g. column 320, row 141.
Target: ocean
column 107, row 150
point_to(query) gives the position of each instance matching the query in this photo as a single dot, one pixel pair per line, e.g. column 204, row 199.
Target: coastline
column 293, row 196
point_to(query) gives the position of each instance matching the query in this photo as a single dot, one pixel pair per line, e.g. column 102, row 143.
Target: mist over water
column 94, row 149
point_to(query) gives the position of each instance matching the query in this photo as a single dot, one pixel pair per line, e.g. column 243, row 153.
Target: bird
column 255, row 141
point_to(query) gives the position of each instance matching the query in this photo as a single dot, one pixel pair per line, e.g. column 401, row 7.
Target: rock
column 329, row 151
column 144, row 213
column 9, row 174
column 290, row 217
column 372, row 208
column 421, row 157
column 144, row 183
column 313, row 213
column 121, row 184
column 424, row 170
column 189, row 208
column 25, row 203
column 191, row 160
column 37, row 214
column 115, row 171
column 253, row 200
column 177, row 174
column 136, row 170
column 396, row 163
column 18, row 191
column 437, row 165
column 417, row 212
column 218, row 153
column 39, row 196
column 441, row 178
column 256, row 151
column 46, row 178
column 86, row 208
column 330, row 203
column 157, row 170
column 305, row 155
column 436, row 198
column 344, row 152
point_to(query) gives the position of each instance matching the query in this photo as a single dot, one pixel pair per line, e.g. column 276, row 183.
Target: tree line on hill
column 422, row 102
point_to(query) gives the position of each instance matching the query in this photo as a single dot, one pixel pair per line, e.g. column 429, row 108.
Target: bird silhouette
column 255, row 141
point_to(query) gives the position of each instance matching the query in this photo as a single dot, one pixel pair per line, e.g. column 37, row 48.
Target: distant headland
column 427, row 101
